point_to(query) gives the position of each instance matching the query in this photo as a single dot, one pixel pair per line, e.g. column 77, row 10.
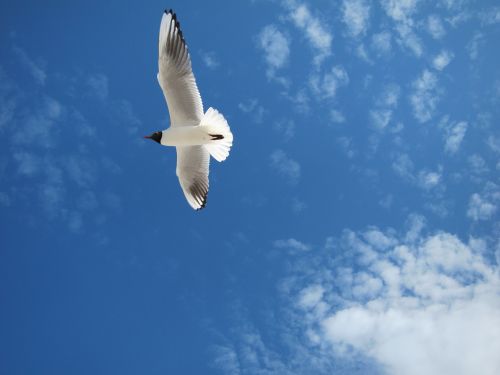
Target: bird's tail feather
column 218, row 129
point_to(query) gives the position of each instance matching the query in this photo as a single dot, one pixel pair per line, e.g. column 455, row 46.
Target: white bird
column 196, row 135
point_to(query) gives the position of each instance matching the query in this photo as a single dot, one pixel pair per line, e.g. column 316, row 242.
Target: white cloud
column 298, row 206
column 490, row 16
column 442, row 60
column 8, row 100
column 413, row 303
column 425, row 179
column 300, row 100
column 356, row 15
column 98, row 83
column 225, row 359
column 291, row 244
column 285, row 166
column 400, row 10
column 387, row 201
column 315, row 31
column 380, row 117
column 386, row 102
column 474, row 44
column 210, row 59
column 337, row 117
column 381, row 43
column 81, row 170
column 429, row 179
column 5, row 200
column 35, row 68
column 38, row 127
column 346, row 145
column 409, row 39
column 252, row 107
column 362, row 52
column 286, row 128
column 493, row 143
column 310, row 297
column 327, row 84
column 454, row 136
column 425, row 96
column 59, row 180
column 435, row 26
column 403, row 166
column 482, row 206
column 389, row 96
column 477, row 164
column 28, row 164
column 276, row 47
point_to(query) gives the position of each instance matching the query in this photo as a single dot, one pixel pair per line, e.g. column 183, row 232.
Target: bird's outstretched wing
column 192, row 170
column 175, row 76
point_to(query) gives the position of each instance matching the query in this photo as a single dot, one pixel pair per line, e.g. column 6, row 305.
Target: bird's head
column 156, row 136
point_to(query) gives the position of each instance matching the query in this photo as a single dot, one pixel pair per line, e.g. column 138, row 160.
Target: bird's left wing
column 192, row 170
column 175, row 76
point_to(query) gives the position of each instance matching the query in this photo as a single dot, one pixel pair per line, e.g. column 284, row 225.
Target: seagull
column 195, row 134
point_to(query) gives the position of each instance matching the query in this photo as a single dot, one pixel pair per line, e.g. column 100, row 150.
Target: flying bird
column 195, row 134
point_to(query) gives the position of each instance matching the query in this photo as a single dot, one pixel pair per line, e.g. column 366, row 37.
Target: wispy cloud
column 409, row 39
column 401, row 12
column 490, row 16
column 356, row 16
column 336, row 116
column 474, row 44
column 425, row 96
column 403, row 166
column 442, row 60
column 326, row 85
column 381, row 43
column 60, row 180
column 35, row 68
column 285, row 166
column 482, row 206
column 454, row 135
column 38, row 127
column 225, row 359
column 276, row 47
column 434, row 26
column 428, row 179
column 210, row 59
column 316, row 32
column 98, row 85
column 28, row 164
column 493, row 143
column 286, row 128
column 385, row 104
column 291, row 244
column 253, row 108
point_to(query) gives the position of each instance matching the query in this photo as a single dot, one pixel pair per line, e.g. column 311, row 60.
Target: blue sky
column 354, row 228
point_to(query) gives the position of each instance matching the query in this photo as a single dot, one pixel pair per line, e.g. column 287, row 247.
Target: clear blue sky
column 354, row 228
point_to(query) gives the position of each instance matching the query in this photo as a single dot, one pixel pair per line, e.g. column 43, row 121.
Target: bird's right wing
column 175, row 75
column 192, row 170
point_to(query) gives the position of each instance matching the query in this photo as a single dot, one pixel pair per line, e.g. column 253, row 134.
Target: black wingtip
column 203, row 205
column 168, row 11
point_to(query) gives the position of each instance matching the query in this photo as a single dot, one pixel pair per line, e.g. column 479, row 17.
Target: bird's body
column 185, row 136
column 195, row 134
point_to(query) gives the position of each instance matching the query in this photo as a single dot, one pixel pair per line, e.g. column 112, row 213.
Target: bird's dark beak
column 156, row 136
